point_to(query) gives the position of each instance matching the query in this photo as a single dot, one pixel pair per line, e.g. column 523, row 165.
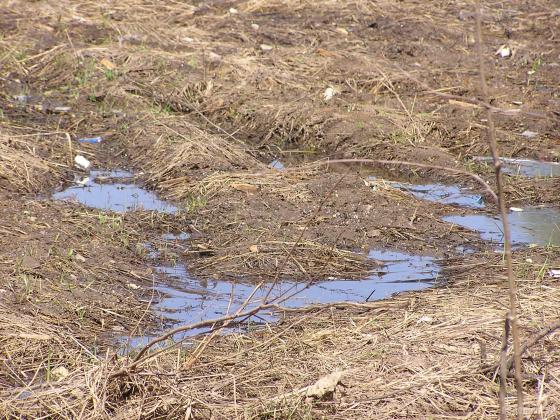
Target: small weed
column 20, row 56
column 193, row 203
column 28, row 284
column 110, row 74
column 534, row 69
column 84, row 73
column 193, row 62
column 81, row 312
column 542, row 271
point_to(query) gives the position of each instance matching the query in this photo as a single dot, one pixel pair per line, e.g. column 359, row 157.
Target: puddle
column 183, row 299
column 109, row 190
column 276, row 164
column 195, row 300
column 176, row 236
column 537, row 225
column 525, row 167
column 439, row 193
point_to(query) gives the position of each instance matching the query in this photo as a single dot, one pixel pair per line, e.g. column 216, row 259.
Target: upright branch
column 491, row 136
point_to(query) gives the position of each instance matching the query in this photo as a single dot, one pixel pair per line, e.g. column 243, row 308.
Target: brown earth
column 198, row 98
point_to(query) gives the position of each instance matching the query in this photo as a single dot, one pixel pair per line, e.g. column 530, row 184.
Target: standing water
column 185, row 299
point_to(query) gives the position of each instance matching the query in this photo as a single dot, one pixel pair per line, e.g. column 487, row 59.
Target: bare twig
column 503, row 371
column 512, row 315
column 478, row 179
column 534, row 340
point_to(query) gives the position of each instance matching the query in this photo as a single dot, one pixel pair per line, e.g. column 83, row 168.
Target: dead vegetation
column 433, row 354
column 200, row 98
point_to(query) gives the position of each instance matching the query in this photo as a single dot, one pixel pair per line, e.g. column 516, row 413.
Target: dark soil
column 198, row 98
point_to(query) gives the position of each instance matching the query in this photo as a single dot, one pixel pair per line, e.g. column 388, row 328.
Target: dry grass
column 26, row 165
column 417, row 355
column 168, row 147
column 199, row 104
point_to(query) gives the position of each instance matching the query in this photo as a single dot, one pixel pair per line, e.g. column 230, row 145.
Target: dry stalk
column 414, row 165
column 512, row 289
column 503, row 370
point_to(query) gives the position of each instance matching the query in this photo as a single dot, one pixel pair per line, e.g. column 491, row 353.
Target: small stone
column 59, row 373
column 341, row 31
column 504, row 51
column 30, row 263
column 266, row 47
column 233, row 10
column 329, row 94
column 80, row 258
column 255, row 26
column 425, row 320
column 214, row 58
column 529, row 134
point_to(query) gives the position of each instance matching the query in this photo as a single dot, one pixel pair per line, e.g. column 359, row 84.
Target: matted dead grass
column 30, row 160
column 175, row 153
column 418, row 355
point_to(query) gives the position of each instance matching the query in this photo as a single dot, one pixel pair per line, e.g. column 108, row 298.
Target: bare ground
column 199, row 98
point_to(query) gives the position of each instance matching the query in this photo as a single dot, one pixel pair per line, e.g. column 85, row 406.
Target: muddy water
column 195, row 300
column 185, row 299
column 525, row 167
column 439, row 193
column 537, row 225
column 115, row 191
column 534, row 225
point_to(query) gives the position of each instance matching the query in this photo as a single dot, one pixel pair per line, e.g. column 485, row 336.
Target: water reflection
column 525, row 167
column 537, row 225
column 439, row 193
column 192, row 300
column 109, row 190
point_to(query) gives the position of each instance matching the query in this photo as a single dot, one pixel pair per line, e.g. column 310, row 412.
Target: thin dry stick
column 503, row 371
column 478, row 179
column 512, row 316
column 534, row 340
column 139, row 359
